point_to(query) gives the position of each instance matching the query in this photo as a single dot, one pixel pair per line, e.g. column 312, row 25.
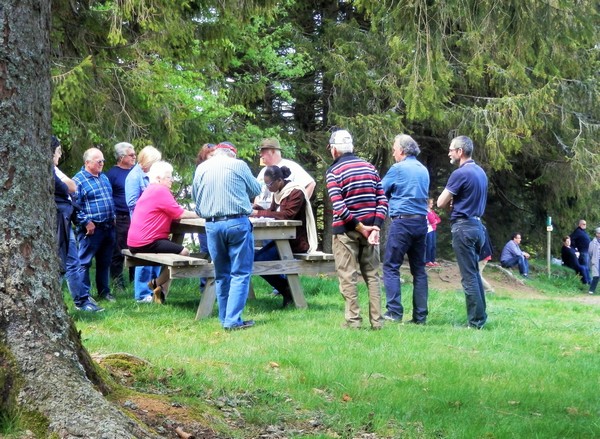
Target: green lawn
column 532, row 372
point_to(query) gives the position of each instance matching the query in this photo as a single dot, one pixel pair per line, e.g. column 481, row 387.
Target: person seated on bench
column 151, row 223
column 290, row 202
column 570, row 259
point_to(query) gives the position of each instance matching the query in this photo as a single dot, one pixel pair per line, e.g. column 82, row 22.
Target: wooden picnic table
column 264, row 229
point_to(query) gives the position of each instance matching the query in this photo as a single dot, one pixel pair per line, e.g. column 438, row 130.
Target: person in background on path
column 580, row 240
column 125, row 155
column 136, row 182
column 594, row 250
column 359, row 210
column 95, row 222
column 67, row 245
column 570, row 259
column 513, row 256
column 485, row 255
column 433, row 220
column 290, row 202
column 406, row 185
column 222, row 189
column 270, row 155
column 466, row 195
column 151, row 222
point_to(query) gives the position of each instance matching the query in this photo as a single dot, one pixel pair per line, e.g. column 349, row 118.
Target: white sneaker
column 590, row 292
column 147, row 299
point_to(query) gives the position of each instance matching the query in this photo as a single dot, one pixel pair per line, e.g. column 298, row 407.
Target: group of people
column 103, row 209
column 578, row 252
column 582, row 254
column 226, row 195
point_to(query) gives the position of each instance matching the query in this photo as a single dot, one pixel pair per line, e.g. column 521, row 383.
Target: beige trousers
column 355, row 257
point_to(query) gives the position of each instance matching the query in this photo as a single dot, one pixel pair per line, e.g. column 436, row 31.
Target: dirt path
column 447, row 278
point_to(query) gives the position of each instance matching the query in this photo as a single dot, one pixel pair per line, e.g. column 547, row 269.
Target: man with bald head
column 95, row 221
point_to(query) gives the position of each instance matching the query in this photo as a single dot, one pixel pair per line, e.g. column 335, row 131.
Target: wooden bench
column 181, row 267
column 168, row 259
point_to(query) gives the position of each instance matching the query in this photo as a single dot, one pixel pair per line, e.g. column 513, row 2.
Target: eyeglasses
column 271, row 183
column 133, row 155
column 100, row 162
column 454, row 149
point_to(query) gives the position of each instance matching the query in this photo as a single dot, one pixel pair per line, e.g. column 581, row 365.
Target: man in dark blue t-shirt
column 125, row 155
column 466, row 195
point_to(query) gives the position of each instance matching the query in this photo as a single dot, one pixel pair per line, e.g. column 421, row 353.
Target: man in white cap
column 359, row 209
column 270, row 155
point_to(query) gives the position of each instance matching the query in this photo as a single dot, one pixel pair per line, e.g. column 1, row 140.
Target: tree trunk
column 46, row 375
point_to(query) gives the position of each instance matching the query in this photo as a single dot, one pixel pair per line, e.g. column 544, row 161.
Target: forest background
column 519, row 77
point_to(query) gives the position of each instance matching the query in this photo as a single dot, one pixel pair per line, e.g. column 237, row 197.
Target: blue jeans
column 231, row 246
column 520, row 261
column 74, row 273
column 142, row 276
column 468, row 237
column 269, row 252
column 584, row 259
column 99, row 246
column 431, row 246
column 406, row 236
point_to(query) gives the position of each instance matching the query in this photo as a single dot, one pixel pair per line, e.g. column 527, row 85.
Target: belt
column 104, row 224
column 466, row 218
column 394, row 218
column 214, row 219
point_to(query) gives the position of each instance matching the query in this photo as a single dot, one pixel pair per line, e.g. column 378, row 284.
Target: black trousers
column 116, row 266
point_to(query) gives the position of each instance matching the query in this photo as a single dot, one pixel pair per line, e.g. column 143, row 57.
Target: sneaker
column 590, row 292
column 436, row 264
column 244, row 325
column 146, row 299
column 430, row 264
column 275, row 292
column 391, row 318
column 89, row 307
column 416, row 322
column 108, row 297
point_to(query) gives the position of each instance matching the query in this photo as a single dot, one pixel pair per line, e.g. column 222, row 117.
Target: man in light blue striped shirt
column 222, row 189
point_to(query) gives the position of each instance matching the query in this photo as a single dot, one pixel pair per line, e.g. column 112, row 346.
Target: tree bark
column 46, row 375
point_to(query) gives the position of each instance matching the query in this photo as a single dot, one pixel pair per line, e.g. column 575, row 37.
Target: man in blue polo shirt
column 406, row 186
column 466, row 195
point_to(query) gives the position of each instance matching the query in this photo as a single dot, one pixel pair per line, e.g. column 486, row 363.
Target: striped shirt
column 356, row 193
column 223, row 186
column 94, row 196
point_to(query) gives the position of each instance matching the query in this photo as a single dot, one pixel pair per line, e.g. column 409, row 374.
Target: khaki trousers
column 354, row 256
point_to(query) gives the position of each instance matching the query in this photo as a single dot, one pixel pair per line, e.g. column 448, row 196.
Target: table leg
column 285, row 253
column 207, row 302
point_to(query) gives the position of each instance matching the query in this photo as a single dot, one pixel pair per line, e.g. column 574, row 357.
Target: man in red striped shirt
column 359, row 209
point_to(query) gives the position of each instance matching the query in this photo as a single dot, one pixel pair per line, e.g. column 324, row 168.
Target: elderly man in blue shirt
column 95, row 222
column 406, row 185
column 222, row 189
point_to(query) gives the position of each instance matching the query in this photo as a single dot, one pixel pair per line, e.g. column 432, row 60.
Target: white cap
column 341, row 139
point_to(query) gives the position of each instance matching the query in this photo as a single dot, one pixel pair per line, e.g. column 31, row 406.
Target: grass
column 532, row 372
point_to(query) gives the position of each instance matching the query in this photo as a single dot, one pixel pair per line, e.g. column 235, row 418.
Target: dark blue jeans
column 520, row 261
column 431, row 246
column 99, row 246
column 269, row 252
column 467, row 239
column 406, row 237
